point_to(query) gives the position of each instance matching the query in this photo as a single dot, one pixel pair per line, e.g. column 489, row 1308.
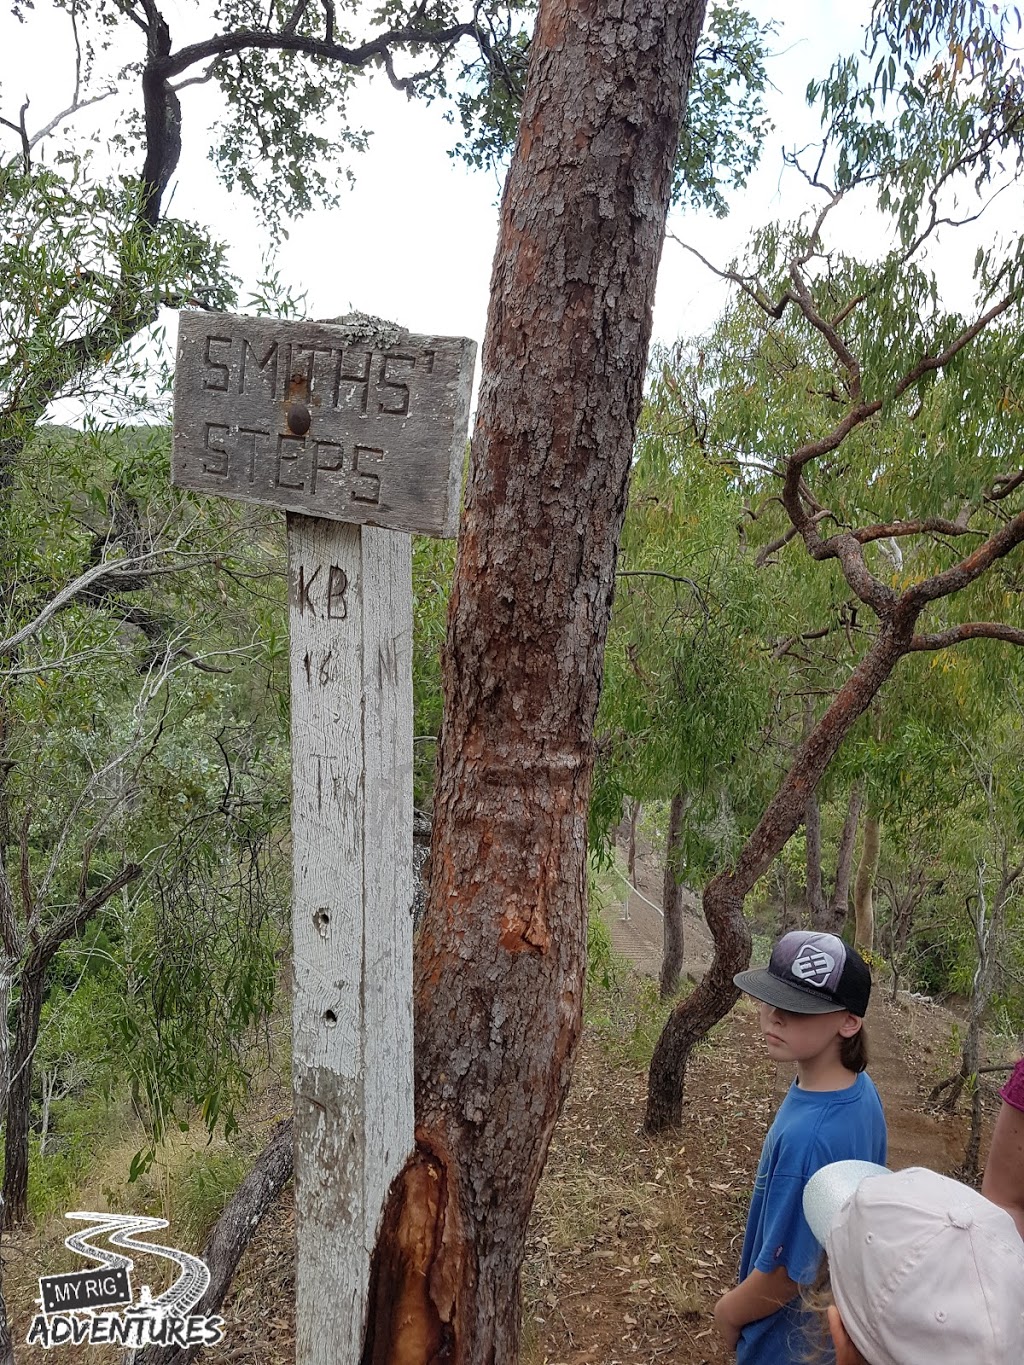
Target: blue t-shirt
column 812, row 1128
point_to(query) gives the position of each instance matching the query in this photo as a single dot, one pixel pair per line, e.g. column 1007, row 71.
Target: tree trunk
column 812, row 843
column 634, row 816
column 724, row 895
column 7, row 968
column 815, row 887
column 672, row 900
column 988, row 928
column 232, row 1233
column 839, row 906
column 19, row 1097
column 864, row 886
column 501, row 956
column 30, row 1004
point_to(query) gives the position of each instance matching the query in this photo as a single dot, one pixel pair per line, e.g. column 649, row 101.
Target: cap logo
column 813, row 965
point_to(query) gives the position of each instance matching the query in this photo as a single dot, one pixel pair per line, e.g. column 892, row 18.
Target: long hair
column 816, row 1299
column 853, row 1052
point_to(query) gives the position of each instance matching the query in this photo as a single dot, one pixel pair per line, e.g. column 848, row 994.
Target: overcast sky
column 414, row 239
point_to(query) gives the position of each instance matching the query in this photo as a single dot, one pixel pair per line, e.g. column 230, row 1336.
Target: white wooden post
column 357, row 430
column 350, row 620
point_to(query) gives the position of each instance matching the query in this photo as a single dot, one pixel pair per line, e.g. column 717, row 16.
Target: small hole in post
column 322, row 920
column 330, row 1018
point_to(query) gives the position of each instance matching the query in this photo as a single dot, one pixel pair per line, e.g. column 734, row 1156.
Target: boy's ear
column 850, row 1026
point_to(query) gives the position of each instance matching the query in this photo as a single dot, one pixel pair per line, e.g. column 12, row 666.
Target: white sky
column 414, row 239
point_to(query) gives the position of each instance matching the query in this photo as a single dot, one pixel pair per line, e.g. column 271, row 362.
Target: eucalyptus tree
column 685, row 695
column 583, row 221
column 880, row 416
column 131, row 792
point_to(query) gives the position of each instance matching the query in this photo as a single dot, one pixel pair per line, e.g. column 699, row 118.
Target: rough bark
column 6, row 1344
column 815, row 884
column 724, row 895
column 812, row 843
column 864, row 886
column 501, row 955
column 19, row 1096
column 26, row 1035
column 232, row 1233
column 7, row 969
column 672, row 901
column 839, row 905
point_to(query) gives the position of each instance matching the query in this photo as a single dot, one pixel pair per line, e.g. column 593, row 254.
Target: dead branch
column 233, row 1231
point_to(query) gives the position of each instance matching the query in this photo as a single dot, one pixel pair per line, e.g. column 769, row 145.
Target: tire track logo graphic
column 70, row 1302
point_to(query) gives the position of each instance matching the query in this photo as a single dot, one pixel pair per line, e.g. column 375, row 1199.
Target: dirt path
column 906, row 1041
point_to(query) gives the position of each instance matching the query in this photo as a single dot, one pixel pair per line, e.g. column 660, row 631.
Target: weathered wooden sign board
column 357, row 430
column 313, row 417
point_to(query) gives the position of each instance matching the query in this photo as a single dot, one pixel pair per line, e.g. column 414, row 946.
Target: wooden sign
column 351, row 421
column 328, row 419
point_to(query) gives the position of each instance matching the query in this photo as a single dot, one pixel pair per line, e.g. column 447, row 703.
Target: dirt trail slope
column 904, row 1039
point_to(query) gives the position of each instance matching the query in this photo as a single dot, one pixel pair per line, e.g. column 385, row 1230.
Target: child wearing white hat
column 923, row 1270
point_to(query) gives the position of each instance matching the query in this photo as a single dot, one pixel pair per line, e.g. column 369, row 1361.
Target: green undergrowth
column 627, row 1015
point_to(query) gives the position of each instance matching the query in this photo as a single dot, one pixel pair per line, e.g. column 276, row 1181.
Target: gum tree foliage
column 88, row 256
column 278, row 110
column 144, row 779
column 885, row 424
column 683, row 697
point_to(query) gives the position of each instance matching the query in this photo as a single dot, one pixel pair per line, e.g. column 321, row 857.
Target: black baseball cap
column 811, row 973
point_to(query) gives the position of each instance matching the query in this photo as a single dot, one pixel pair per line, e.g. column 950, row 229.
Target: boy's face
column 802, row 1037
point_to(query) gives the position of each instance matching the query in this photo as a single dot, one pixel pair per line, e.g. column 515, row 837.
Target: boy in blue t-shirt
column 814, row 994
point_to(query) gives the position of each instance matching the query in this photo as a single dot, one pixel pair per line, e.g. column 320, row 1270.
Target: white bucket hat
column 925, row 1271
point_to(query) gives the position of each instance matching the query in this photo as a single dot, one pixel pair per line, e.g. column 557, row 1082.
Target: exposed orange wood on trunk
column 502, row 951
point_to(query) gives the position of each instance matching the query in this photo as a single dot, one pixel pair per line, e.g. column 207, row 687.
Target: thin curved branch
column 837, row 345
column 1004, row 485
column 226, row 44
column 77, row 586
column 951, row 580
column 970, row 630
column 72, row 108
column 925, row 526
column 773, row 310
column 22, row 132
column 657, row 573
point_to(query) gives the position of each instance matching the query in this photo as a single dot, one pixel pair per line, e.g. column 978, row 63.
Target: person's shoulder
column 867, row 1090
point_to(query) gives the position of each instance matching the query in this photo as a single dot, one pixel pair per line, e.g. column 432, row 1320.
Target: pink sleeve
column 1013, row 1091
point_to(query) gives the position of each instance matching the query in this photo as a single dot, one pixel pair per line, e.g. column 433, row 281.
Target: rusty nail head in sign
column 298, row 418
column 313, row 418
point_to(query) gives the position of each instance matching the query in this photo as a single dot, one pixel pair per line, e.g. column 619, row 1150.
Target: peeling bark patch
column 412, row 1293
column 524, row 932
